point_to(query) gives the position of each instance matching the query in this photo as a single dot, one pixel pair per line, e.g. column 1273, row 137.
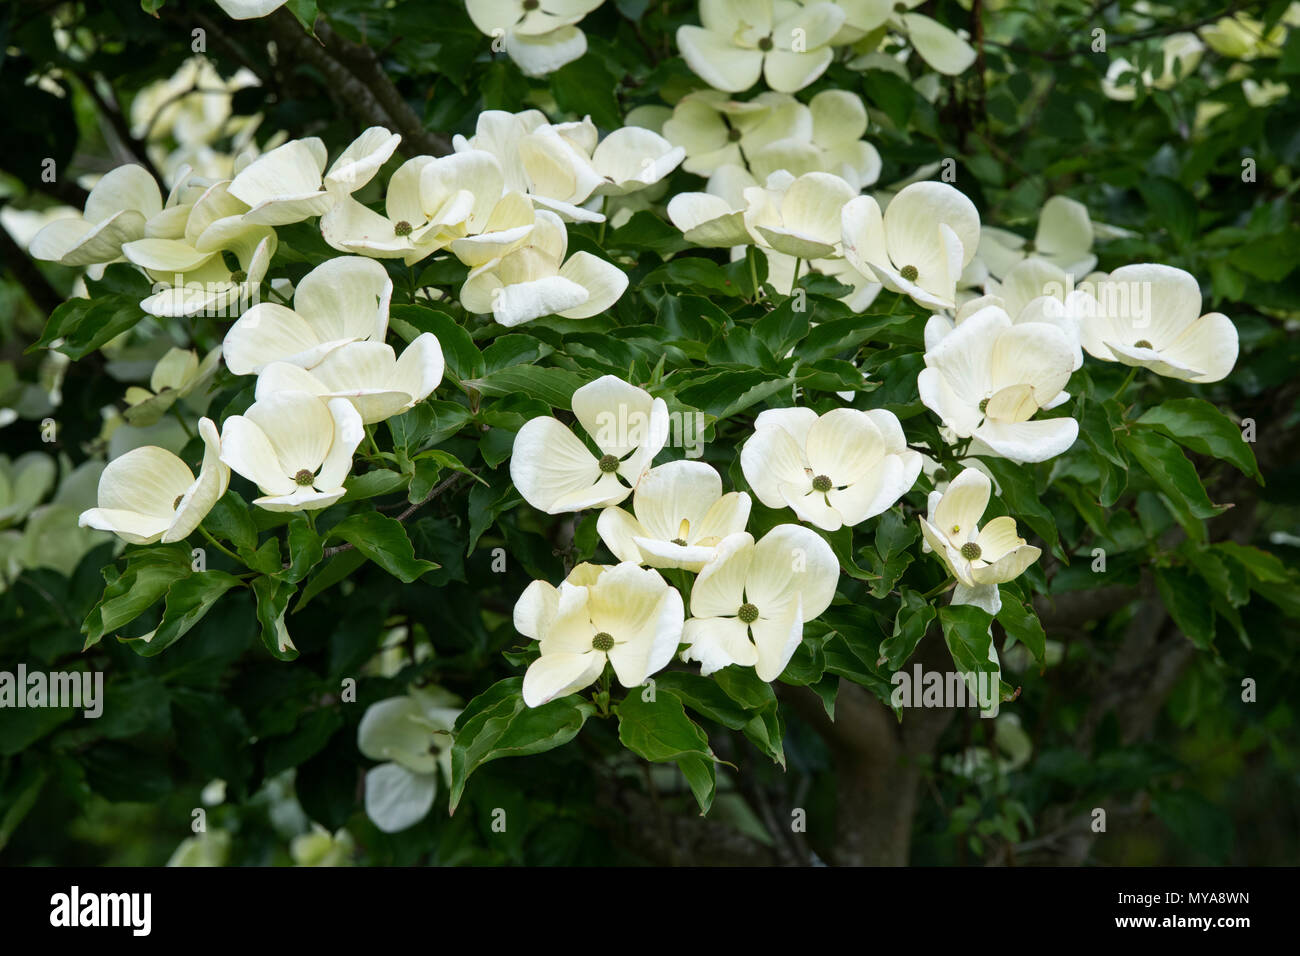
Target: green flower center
column 608, row 464
column 402, row 228
column 239, row 275
column 679, row 542
column 822, row 483
column 733, row 135
column 984, row 405
column 970, row 551
column 602, row 642
column 909, row 273
column 304, row 478
column 765, row 44
column 532, row 4
column 177, row 503
column 1142, row 344
column 748, row 614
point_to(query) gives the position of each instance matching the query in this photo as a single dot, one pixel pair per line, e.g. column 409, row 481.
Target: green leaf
column 230, row 519
column 554, row 386
column 497, row 723
column 1174, row 475
column 149, row 573
column 1198, row 425
column 188, row 600
column 1020, row 622
column 703, row 696
column 695, row 273
column 914, row 617
column 305, row 549
column 383, row 540
column 1188, row 602
column 660, row 731
column 966, row 631
column 272, row 600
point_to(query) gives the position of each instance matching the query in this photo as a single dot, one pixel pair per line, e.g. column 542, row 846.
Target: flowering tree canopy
column 624, row 419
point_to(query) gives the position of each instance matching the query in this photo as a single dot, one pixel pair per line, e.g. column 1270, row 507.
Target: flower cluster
column 790, row 44
column 750, row 599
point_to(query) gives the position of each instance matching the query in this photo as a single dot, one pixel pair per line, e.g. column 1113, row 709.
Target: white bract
column 798, row 216
column 679, row 514
column 919, row 246
column 716, row 130
column 342, row 300
column 833, row 470
column 625, row 615
column 190, row 269
column 1150, row 317
column 715, row 217
column 552, row 468
column 177, row 374
column 980, row 559
column 116, row 211
column 370, row 375
column 989, row 377
column 941, row 48
column 740, row 40
column 150, row 495
column 415, row 223
column 289, row 184
column 1182, row 53
column 833, row 145
column 535, row 279
column 539, row 35
column 1063, row 237
column 295, row 447
column 751, row 601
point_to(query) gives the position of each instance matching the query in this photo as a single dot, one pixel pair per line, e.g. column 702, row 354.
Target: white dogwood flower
column 833, row 470
column 412, row 736
column 535, row 279
column 539, row 35
column 740, row 40
column 919, row 246
column 370, row 375
column 989, row 377
column 625, row 615
column 942, row 49
column 116, row 211
column 192, row 268
column 177, row 374
column 1150, row 317
column 415, row 224
column 148, row 494
column 1064, row 237
column 679, row 514
column 342, row 300
column 552, row 468
column 980, row 559
column 834, row 144
column 716, row 130
column 289, row 184
column 798, row 216
column 295, row 447
column 1034, row 291
column 1181, row 54
column 751, row 601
